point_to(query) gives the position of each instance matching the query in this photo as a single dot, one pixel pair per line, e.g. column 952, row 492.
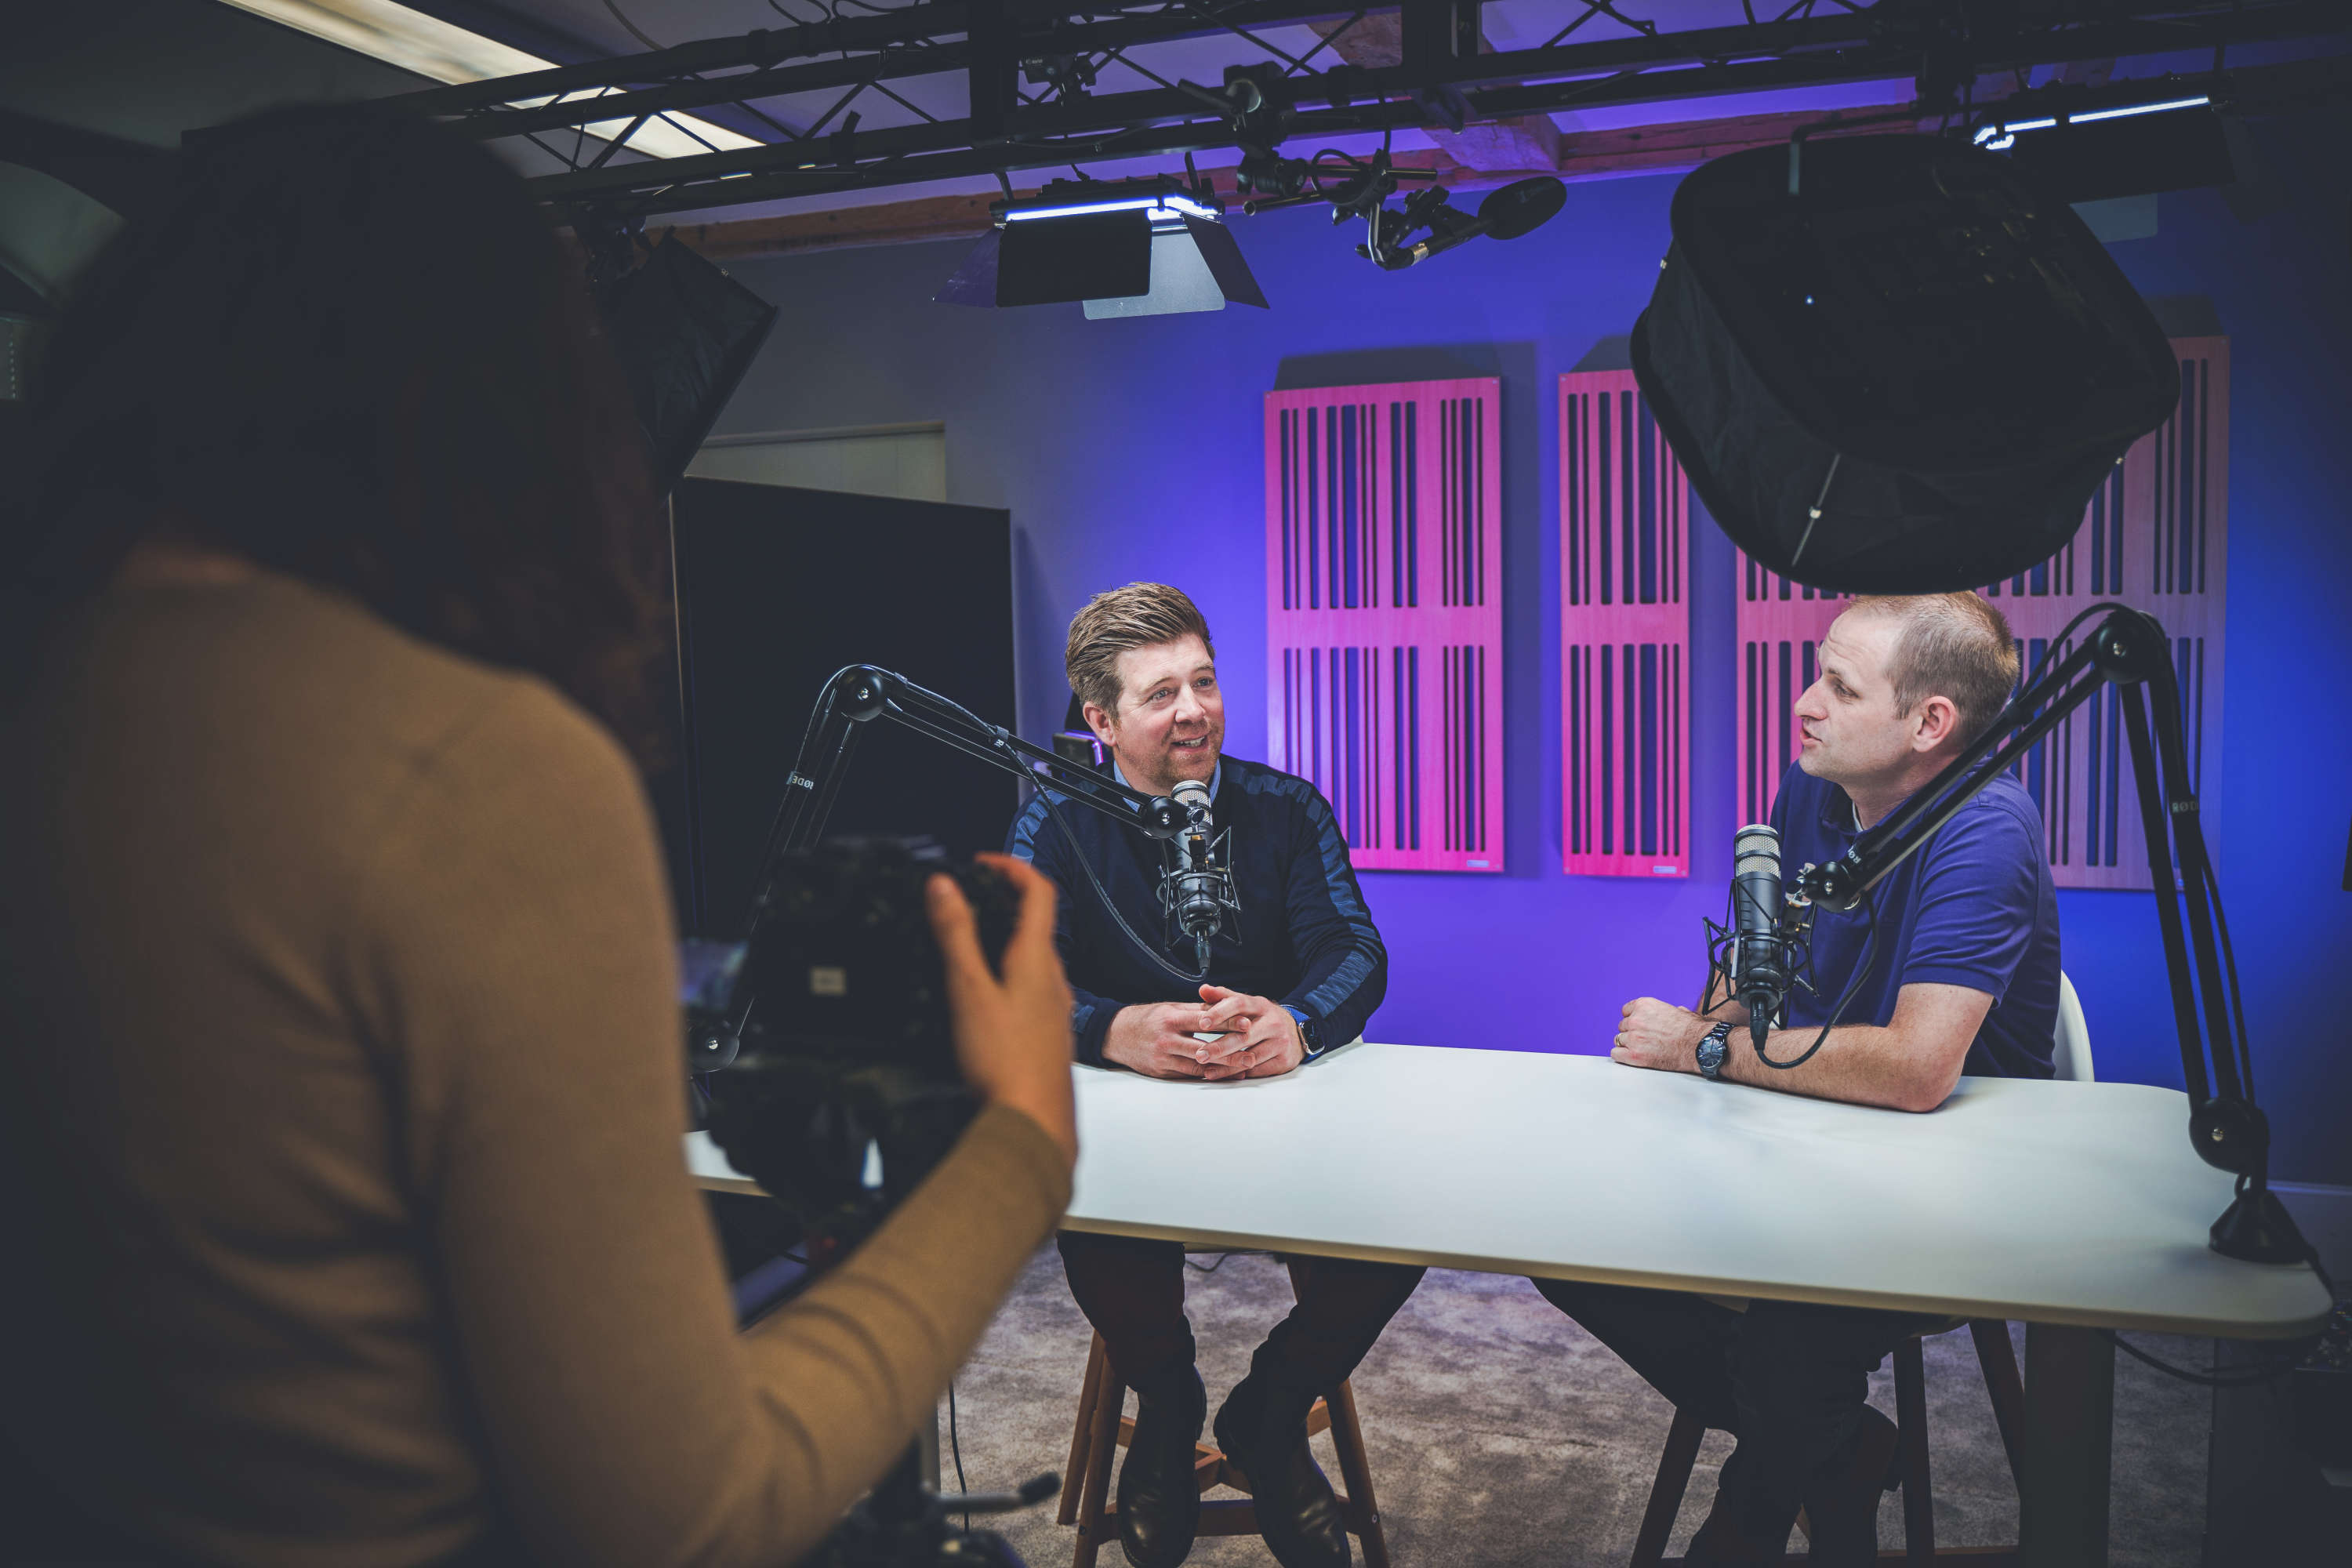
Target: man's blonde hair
column 1953, row 646
column 1138, row 616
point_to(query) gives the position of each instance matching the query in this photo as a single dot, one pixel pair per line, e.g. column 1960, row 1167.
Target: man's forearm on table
column 1342, row 995
column 1863, row 1064
column 1090, row 1021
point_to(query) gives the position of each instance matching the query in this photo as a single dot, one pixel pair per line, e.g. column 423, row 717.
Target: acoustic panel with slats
column 1624, row 633
column 1384, row 620
column 2155, row 537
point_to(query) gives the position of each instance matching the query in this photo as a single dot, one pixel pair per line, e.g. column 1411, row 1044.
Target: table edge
column 1243, row 1241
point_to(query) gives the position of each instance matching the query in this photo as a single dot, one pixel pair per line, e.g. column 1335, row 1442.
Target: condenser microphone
column 1198, row 889
column 1760, row 966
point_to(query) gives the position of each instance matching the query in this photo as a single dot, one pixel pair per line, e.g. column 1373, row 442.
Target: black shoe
column 1842, row 1508
column 1261, row 1427
column 1158, row 1500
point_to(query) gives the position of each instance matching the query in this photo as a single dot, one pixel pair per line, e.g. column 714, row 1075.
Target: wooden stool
column 2007, row 1390
column 1103, row 1425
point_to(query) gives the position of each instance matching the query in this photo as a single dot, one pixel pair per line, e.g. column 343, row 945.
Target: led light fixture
column 442, row 51
column 2102, row 151
column 1154, row 246
column 1999, row 137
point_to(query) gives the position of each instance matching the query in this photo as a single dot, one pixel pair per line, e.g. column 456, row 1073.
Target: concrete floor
column 1501, row 1436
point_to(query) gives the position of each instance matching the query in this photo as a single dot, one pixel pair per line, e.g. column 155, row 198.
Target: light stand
column 2129, row 651
column 853, row 699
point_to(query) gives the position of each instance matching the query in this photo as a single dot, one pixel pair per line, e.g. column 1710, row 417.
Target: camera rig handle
column 2129, row 651
column 856, row 697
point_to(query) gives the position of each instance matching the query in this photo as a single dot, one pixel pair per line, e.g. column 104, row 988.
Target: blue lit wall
column 1131, row 449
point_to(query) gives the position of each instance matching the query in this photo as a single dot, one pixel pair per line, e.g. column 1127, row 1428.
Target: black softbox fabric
column 1908, row 377
column 684, row 334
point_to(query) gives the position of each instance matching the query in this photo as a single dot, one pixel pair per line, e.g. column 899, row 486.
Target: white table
column 2071, row 1206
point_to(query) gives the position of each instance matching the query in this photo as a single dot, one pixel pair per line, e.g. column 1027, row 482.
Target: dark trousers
column 1132, row 1290
column 1787, row 1379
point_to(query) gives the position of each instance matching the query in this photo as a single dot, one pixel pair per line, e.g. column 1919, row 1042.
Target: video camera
column 846, row 1091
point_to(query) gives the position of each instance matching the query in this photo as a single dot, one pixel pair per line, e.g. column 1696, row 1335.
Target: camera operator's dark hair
column 349, row 348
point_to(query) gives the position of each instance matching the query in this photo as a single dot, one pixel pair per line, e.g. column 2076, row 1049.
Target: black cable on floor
column 955, row 1446
column 2211, row 1379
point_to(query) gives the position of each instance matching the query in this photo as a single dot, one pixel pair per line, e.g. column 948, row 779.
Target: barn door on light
column 1384, row 647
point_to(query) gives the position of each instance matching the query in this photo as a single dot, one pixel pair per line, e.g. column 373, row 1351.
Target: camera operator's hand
column 1155, row 1038
column 1012, row 1036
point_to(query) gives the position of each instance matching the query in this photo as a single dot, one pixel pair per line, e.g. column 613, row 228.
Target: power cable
column 955, row 1446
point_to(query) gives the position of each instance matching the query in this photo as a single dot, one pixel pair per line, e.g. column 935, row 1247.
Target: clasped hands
column 1259, row 1038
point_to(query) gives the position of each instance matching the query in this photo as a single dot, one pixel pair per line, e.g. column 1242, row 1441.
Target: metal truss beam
column 1004, row 132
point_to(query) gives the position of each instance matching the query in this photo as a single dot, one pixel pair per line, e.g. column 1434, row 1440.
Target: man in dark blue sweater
column 1962, row 977
column 1301, row 974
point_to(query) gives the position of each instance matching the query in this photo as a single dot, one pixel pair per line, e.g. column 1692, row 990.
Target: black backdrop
column 778, row 588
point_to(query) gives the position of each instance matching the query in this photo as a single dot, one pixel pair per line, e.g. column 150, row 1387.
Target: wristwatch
column 1711, row 1052
column 1308, row 1034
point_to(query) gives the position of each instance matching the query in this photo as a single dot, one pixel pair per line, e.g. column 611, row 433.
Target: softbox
column 684, row 334
column 1908, row 376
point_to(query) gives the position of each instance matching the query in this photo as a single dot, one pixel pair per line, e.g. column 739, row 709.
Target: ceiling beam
column 1583, row 155
column 1375, row 41
column 1489, row 86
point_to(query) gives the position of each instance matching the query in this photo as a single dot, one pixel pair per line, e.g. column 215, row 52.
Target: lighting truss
column 1443, row 80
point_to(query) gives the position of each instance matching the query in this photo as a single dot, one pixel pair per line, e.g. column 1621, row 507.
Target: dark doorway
column 777, row 589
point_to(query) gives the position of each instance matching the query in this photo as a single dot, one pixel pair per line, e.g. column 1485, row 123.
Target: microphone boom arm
column 2129, row 651
column 859, row 695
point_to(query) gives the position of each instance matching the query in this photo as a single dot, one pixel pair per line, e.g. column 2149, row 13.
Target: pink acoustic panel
column 1384, row 628
column 2155, row 537
column 1624, row 632
column 1780, row 626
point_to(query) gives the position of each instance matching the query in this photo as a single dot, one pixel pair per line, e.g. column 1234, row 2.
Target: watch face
column 1711, row 1052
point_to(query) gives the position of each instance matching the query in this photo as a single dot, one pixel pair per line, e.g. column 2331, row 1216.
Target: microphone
column 1197, row 890
column 1760, row 966
column 1506, row 214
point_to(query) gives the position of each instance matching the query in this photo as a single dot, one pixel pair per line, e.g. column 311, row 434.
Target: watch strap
column 1309, row 1036
column 1710, row 1062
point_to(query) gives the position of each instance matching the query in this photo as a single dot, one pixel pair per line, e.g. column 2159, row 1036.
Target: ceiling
column 129, row 76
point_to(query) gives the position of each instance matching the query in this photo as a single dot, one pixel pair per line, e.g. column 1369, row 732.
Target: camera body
column 845, row 1093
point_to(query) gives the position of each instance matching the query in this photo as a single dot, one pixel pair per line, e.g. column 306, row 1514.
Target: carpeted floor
column 1501, row 1436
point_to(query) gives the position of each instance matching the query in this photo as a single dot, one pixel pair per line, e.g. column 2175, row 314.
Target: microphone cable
column 1852, row 988
column 1054, row 810
column 1102, row 895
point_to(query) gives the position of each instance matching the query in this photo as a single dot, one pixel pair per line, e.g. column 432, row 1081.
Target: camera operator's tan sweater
column 341, row 1092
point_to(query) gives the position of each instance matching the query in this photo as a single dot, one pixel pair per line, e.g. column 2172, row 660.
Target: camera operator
column 340, row 1092
column 1303, row 971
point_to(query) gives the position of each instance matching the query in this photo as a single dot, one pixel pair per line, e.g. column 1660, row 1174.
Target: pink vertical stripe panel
column 1624, row 633
column 1384, row 649
column 1781, row 624
column 2155, row 537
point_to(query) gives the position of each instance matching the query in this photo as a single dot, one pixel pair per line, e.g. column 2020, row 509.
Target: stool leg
column 1074, row 1475
column 1356, row 1472
column 1110, row 1399
column 2003, row 1386
column 1666, row 1491
column 1911, row 1420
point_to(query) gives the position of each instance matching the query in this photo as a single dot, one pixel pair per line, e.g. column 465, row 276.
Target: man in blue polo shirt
column 1302, row 972
column 1963, row 978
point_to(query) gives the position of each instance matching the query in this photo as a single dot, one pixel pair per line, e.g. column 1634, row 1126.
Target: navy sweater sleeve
column 1347, row 966
column 1040, row 842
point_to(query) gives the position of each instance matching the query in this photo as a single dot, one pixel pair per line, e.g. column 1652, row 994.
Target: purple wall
column 1130, row 450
